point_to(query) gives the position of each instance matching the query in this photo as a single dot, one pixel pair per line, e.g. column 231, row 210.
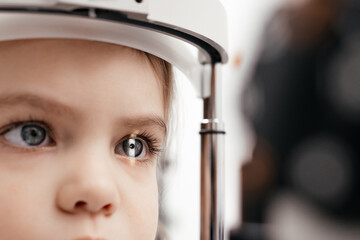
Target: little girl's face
column 81, row 125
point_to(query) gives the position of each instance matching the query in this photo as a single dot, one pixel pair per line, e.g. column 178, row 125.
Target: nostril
column 107, row 207
column 80, row 204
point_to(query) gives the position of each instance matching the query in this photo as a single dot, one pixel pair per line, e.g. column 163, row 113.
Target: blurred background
column 291, row 105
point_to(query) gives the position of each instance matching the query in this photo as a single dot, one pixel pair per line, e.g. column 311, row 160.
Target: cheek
column 25, row 201
column 140, row 204
column 17, row 209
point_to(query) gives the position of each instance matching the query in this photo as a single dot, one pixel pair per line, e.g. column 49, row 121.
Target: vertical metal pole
column 212, row 136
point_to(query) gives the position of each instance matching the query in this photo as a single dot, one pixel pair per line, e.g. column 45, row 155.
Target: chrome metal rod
column 212, row 135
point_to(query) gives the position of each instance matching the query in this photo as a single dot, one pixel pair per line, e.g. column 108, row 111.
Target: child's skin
column 66, row 109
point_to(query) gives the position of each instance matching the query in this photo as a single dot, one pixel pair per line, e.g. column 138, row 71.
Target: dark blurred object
column 303, row 104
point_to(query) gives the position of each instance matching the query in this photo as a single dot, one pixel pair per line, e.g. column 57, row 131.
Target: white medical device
column 189, row 34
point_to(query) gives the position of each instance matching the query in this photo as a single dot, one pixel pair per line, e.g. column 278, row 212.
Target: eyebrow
column 52, row 106
column 43, row 103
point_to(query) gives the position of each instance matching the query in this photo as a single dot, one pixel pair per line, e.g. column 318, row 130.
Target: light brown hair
column 164, row 72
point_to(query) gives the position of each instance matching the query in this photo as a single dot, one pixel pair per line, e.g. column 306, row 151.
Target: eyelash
column 13, row 123
column 152, row 142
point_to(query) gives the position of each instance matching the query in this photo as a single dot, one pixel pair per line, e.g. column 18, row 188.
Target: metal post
column 212, row 137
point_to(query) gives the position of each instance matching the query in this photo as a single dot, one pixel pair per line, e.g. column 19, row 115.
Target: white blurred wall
column 246, row 20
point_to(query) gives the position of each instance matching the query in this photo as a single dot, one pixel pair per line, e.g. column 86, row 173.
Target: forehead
column 77, row 73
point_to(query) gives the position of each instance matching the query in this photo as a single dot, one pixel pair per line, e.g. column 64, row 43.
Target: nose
column 88, row 189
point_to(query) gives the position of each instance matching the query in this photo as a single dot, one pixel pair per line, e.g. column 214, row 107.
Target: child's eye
column 28, row 135
column 131, row 147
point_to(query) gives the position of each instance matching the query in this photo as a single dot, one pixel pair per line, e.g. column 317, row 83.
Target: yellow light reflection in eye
column 132, row 161
column 135, row 134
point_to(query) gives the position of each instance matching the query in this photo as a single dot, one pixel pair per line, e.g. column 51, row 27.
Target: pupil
column 33, row 135
column 132, row 147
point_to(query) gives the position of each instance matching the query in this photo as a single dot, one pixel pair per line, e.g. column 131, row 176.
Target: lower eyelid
column 23, row 149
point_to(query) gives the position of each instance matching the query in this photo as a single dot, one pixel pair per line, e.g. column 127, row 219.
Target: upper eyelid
column 8, row 127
